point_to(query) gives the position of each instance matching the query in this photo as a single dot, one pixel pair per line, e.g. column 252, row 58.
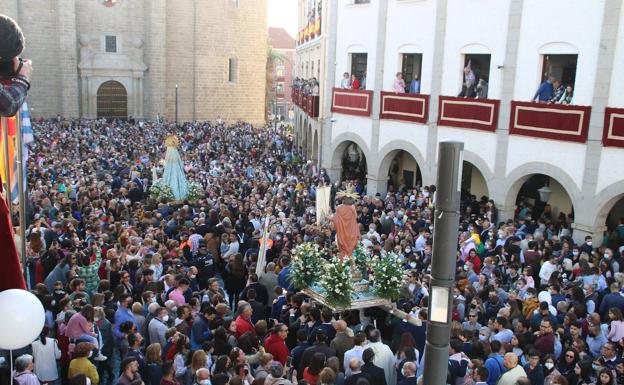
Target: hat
column 12, row 39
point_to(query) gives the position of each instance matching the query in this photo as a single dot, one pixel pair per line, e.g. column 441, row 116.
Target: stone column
column 505, row 213
column 436, row 88
column 67, row 59
column 375, row 185
column 580, row 231
column 156, row 61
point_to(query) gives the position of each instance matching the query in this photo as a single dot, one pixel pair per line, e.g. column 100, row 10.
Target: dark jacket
column 316, row 348
column 352, row 380
column 375, row 372
column 200, row 332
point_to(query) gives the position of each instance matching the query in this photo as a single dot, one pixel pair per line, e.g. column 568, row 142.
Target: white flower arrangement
column 161, row 191
column 195, row 191
column 336, row 281
column 306, row 266
column 362, row 258
column 388, row 276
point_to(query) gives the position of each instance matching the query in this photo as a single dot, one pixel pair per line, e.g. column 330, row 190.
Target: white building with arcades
column 513, row 146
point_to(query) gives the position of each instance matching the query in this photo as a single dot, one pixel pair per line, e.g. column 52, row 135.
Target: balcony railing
column 550, row 121
column 352, row 102
column 408, row 107
column 480, row 114
column 308, row 103
column 613, row 133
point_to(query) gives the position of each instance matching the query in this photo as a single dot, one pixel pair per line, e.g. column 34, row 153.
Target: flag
column 11, row 167
column 27, row 138
column 11, row 276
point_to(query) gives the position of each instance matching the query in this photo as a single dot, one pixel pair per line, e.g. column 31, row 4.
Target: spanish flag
column 317, row 27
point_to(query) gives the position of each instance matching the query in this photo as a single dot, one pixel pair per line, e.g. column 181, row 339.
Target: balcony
column 352, row 102
column 550, row 121
column 408, row 107
column 613, row 134
column 478, row 114
column 308, row 103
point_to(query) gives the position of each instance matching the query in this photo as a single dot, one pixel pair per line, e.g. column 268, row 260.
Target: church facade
column 197, row 59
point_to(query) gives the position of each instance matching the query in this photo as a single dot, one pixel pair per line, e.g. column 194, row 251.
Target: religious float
column 173, row 186
column 347, row 276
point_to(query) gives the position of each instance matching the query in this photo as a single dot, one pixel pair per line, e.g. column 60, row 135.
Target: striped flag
column 27, row 137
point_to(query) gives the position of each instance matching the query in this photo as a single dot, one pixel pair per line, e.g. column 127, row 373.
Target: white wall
column 570, row 157
column 610, row 169
column 404, row 35
column 357, row 33
column 475, row 26
column 414, row 133
column 616, row 96
column 478, row 142
column 357, row 125
column 559, row 27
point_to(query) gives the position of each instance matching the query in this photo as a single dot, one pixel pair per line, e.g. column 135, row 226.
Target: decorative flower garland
column 161, row 191
column 336, row 281
column 388, row 276
column 306, row 266
column 195, row 191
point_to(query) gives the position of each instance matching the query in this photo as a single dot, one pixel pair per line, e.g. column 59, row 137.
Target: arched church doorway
column 112, row 101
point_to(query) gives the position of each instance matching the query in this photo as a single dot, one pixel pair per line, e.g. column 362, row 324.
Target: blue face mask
column 482, row 337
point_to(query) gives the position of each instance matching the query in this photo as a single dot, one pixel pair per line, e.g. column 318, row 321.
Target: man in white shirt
column 547, row 269
column 356, row 352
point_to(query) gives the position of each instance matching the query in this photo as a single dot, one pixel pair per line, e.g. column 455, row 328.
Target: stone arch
column 605, row 200
column 356, row 48
column 112, row 100
column 558, row 48
column 391, row 149
column 475, row 49
column 409, row 48
column 477, row 162
column 516, row 178
column 340, row 143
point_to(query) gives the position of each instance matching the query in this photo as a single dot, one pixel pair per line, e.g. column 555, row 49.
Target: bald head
column 511, row 360
column 340, row 326
column 202, row 374
column 409, row 368
column 354, row 364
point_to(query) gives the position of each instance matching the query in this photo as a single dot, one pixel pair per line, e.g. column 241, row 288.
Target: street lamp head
column 544, row 193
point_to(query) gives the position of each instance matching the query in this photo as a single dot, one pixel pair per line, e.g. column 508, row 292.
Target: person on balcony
column 363, row 82
column 567, row 96
column 482, row 89
column 545, row 91
column 355, row 83
column 558, row 93
column 399, row 84
column 345, row 83
column 415, row 85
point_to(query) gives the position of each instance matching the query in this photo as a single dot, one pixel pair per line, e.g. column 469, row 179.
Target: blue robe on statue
column 174, row 174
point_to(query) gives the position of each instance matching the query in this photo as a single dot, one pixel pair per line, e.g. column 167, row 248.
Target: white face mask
column 589, row 243
column 153, row 300
column 549, row 365
column 165, row 318
column 204, row 382
column 90, row 354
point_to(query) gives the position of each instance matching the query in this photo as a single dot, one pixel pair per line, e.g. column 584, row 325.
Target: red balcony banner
column 613, row 132
column 352, row 102
column 550, row 121
column 313, row 106
column 479, row 114
column 408, row 107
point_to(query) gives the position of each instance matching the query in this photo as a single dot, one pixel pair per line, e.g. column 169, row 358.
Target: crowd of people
column 307, row 87
column 138, row 291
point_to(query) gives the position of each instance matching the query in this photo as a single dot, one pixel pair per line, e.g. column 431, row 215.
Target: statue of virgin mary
column 174, row 169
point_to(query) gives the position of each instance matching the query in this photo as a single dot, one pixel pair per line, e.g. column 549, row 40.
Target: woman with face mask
column 550, row 371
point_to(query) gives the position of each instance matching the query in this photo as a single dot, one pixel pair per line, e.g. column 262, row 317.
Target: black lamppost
column 450, row 158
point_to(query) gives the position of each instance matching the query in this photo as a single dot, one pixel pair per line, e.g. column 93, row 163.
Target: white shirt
column 546, row 271
column 45, row 359
column 355, row 352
